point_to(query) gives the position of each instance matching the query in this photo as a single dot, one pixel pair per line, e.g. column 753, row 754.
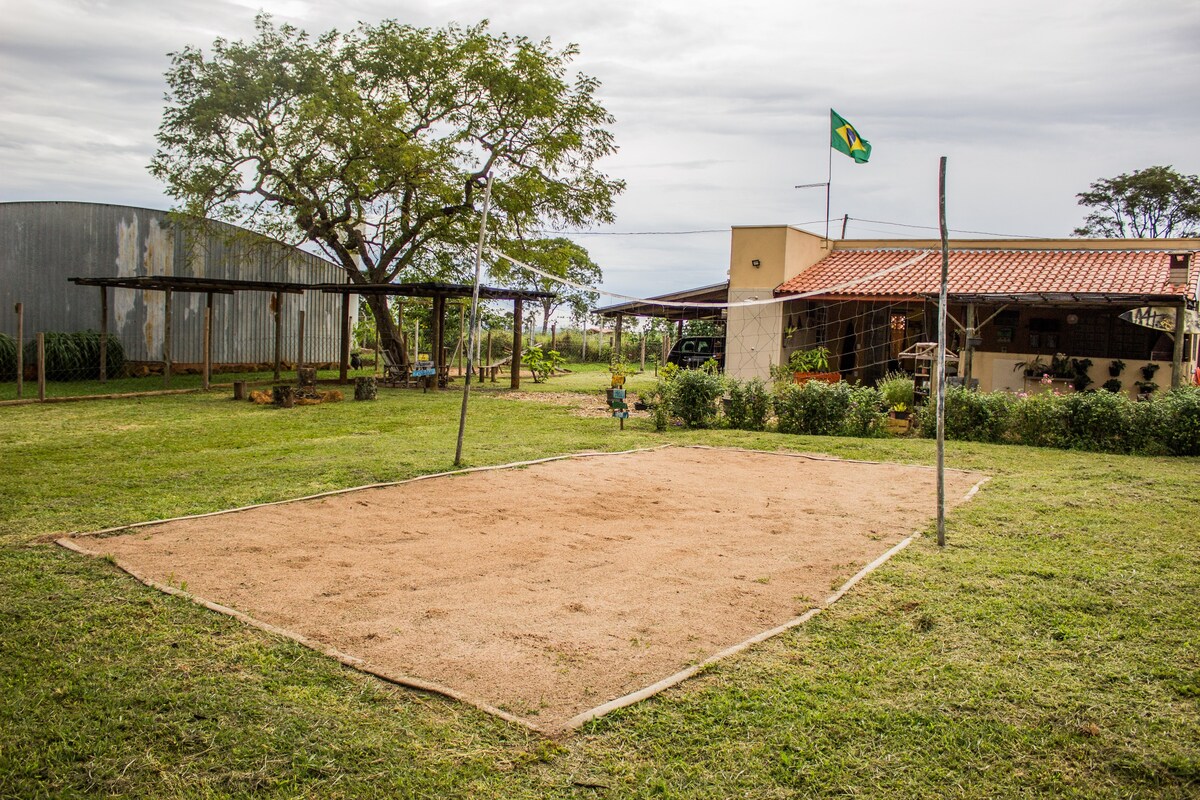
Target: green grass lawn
column 1052, row 649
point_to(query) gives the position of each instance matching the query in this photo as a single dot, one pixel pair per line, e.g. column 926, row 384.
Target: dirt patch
column 549, row 590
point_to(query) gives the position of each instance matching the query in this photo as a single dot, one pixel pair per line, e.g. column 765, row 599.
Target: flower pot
column 899, row 414
column 825, row 377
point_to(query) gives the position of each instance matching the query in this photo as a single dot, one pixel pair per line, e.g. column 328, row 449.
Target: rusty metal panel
column 43, row 244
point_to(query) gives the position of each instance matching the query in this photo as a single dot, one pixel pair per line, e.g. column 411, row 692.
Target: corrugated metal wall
column 42, row 245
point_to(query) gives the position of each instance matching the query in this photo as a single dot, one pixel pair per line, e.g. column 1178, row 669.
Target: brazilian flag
column 846, row 140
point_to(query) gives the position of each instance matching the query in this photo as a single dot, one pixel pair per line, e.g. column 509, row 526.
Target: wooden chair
column 394, row 374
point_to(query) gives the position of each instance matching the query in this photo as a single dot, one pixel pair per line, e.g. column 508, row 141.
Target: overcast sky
column 722, row 108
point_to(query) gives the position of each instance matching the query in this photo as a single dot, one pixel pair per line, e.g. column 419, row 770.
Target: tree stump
column 284, row 396
column 307, row 378
column 239, row 390
column 365, row 388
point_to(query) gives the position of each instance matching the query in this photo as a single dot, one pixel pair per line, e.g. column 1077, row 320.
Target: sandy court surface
column 550, row 589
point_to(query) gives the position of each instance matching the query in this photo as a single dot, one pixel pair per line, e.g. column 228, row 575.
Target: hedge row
column 1098, row 421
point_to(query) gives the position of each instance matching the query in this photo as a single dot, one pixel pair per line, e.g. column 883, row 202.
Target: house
column 1012, row 304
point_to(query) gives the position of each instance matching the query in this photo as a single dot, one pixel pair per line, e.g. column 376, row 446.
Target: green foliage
column 1098, row 421
column 694, row 395
column 668, row 371
column 560, row 257
column 749, row 404
column 973, row 416
column 374, row 144
column 1151, row 203
column 76, row 356
column 1101, row 421
column 898, row 388
column 8, row 358
column 814, row 408
column 813, row 360
column 864, row 415
column 542, row 363
column 1112, row 385
column 659, row 399
column 1178, row 420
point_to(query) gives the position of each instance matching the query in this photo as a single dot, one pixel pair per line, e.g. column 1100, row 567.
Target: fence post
column 104, row 334
column 166, row 346
column 207, row 368
column 300, row 346
column 41, row 365
column 20, row 309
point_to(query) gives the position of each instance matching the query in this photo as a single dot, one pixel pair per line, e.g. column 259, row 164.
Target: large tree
column 1156, row 202
column 374, row 145
column 559, row 257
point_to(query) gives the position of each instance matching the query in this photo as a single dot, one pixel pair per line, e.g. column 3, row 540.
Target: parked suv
column 691, row 352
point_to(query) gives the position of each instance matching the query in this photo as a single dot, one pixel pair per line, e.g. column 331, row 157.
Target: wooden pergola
column 439, row 292
column 169, row 284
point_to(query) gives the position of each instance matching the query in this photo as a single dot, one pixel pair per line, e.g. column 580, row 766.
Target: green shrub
column 659, row 400
column 694, row 395
column 8, row 358
column 76, row 356
column 1177, row 416
column 864, row 415
column 816, row 408
column 898, row 389
column 749, row 405
column 542, row 363
column 1040, row 420
column 89, row 354
column 975, row 416
column 1100, row 421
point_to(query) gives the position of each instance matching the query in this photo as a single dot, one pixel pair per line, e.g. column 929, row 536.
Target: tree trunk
column 391, row 338
column 546, row 316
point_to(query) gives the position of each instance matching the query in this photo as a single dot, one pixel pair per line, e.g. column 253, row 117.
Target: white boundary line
column 428, row 686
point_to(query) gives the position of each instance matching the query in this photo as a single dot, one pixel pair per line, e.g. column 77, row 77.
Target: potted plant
column 1115, row 367
column 898, row 392
column 1035, row 367
column 1148, row 371
column 812, row 365
column 1146, row 388
column 899, row 411
column 1112, row 385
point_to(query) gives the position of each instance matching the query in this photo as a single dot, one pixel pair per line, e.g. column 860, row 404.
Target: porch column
column 439, row 337
column 967, row 356
column 103, row 334
column 344, row 365
column 1177, row 353
column 617, row 337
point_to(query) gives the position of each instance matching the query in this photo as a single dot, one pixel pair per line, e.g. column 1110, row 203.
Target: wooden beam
column 104, row 334
column 439, row 338
column 515, row 367
column 166, row 345
column 277, row 302
column 1177, row 353
column 20, row 309
column 299, row 344
column 344, row 366
column 206, row 371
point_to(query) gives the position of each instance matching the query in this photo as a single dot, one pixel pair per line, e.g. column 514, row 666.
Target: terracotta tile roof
column 1138, row 272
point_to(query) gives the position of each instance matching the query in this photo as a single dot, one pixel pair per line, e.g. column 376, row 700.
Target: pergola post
column 104, row 334
column 344, row 366
column 439, row 338
column 278, row 333
column 967, row 362
column 515, row 366
column 617, row 337
column 20, row 310
column 300, row 344
column 166, row 346
column 206, row 372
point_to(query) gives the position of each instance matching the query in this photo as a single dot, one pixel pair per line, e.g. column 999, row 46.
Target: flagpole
column 828, row 189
